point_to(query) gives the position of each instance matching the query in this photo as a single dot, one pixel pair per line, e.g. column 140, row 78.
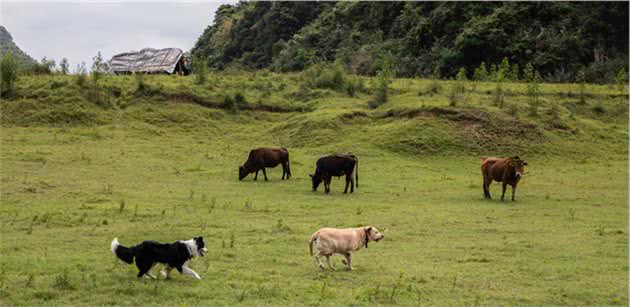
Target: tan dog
column 329, row 241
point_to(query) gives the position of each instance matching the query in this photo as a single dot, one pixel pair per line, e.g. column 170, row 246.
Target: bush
column 8, row 70
column 621, row 79
column 381, row 92
column 80, row 79
column 481, row 73
column 327, row 76
column 457, row 94
column 140, row 84
column 353, row 85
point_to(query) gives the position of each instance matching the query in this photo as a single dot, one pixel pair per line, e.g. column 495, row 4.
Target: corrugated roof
column 148, row 60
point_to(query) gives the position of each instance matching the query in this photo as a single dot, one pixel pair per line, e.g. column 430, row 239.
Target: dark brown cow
column 336, row 165
column 265, row 157
column 505, row 170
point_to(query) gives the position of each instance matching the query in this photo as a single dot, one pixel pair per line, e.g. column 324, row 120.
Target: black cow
column 265, row 157
column 336, row 165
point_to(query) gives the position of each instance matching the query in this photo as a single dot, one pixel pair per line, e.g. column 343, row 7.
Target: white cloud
column 78, row 30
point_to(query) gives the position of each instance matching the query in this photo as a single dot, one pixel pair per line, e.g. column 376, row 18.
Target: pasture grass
column 163, row 165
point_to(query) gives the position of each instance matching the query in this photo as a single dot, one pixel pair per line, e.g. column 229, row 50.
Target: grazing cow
column 265, row 157
column 336, row 165
column 329, row 241
column 505, row 170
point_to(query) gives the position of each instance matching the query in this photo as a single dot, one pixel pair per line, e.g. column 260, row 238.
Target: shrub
column 140, row 84
column 457, row 94
column 8, row 70
column 621, row 79
column 329, row 76
column 353, row 85
column 533, row 89
column 481, row 73
column 381, row 91
column 581, row 81
column 80, row 78
column 200, row 69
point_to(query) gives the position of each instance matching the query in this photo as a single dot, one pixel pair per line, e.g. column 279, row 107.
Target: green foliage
column 533, row 92
column 481, row 73
column 420, row 36
column 200, row 69
column 97, row 67
column 8, row 72
column 64, row 66
column 621, row 80
column 354, row 85
column 514, row 72
column 503, row 72
column 381, row 88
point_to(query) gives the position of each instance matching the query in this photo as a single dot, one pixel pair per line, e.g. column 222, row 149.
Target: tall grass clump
column 8, row 70
column 353, row 85
column 325, row 76
column 434, row 87
column 457, row 92
column 200, row 69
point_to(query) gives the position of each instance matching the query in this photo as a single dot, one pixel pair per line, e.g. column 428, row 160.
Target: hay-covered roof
column 147, row 60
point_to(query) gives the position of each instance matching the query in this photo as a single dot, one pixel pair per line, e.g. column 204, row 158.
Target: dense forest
column 560, row 39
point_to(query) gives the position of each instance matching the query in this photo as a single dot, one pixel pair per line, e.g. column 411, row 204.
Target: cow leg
column 486, row 188
column 329, row 264
column 348, row 260
column 513, row 191
column 264, row 173
column 345, row 191
column 327, row 184
column 284, row 171
column 503, row 194
column 256, row 177
column 351, row 183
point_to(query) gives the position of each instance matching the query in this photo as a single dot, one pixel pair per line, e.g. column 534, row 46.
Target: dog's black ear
column 200, row 238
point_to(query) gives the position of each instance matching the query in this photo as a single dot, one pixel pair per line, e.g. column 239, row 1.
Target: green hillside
column 156, row 157
column 8, row 45
column 422, row 38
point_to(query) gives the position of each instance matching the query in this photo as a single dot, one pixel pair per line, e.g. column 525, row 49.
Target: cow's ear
column 311, row 175
column 369, row 229
column 525, row 163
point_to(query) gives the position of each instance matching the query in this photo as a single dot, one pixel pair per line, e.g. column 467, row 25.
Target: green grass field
column 79, row 168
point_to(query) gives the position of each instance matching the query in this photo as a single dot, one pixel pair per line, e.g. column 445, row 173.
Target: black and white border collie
column 173, row 255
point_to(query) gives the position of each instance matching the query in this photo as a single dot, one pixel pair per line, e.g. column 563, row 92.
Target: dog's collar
column 367, row 238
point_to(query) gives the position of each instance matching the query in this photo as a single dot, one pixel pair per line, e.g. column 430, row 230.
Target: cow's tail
column 310, row 243
column 288, row 164
column 356, row 171
column 123, row 253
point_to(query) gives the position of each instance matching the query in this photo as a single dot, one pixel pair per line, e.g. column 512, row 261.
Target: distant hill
column 422, row 38
column 7, row 44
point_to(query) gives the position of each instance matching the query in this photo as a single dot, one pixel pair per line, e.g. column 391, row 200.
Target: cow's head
column 242, row 172
column 519, row 167
column 316, row 179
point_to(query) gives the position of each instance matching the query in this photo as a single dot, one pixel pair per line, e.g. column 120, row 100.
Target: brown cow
column 265, row 157
column 336, row 165
column 505, row 170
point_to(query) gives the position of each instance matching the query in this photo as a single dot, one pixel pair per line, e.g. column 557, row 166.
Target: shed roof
column 147, row 60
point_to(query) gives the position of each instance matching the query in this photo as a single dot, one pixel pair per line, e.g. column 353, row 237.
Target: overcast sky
column 78, row 30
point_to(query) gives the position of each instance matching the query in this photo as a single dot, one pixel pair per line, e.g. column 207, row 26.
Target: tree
column 481, row 73
column 64, row 66
column 505, row 68
column 8, row 70
column 492, row 75
column 97, row 67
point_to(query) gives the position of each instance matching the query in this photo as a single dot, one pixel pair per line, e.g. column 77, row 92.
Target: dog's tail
column 123, row 253
column 310, row 244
